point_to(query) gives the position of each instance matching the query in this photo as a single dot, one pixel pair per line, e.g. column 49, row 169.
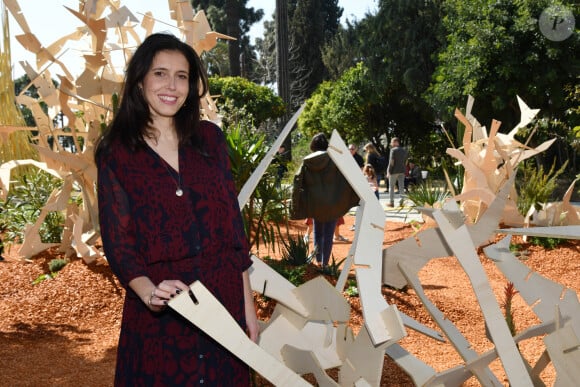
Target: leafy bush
column 546, row 242
column 25, row 200
column 294, row 274
column 535, row 187
column 351, row 289
column 56, row 264
column 265, row 209
column 237, row 92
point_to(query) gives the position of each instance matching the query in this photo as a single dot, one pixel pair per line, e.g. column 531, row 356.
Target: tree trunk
column 283, row 77
column 233, row 30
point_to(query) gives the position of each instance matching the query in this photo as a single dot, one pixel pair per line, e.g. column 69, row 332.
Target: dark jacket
column 359, row 160
column 320, row 191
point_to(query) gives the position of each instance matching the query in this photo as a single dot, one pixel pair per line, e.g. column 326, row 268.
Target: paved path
column 402, row 214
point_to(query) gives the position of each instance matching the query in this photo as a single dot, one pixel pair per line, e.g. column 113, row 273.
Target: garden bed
column 63, row 331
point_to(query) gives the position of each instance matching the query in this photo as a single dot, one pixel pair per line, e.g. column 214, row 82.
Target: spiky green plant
column 509, row 293
column 333, row 267
column 427, row 194
column 265, row 210
column 535, row 187
column 296, row 251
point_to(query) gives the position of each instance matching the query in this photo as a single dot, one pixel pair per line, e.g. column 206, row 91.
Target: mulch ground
column 64, row 331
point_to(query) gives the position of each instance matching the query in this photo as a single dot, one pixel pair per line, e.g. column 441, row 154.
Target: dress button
column 200, row 381
column 201, row 356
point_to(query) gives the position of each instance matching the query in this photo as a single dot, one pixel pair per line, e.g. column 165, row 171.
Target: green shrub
column 294, row 274
column 27, row 196
column 535, row 187
column 351, row 288
column 57, row 264
column 546, row 242
column 54, row 266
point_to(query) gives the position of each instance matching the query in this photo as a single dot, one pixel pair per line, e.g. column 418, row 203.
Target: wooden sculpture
column 310, row 334
column 110, row 28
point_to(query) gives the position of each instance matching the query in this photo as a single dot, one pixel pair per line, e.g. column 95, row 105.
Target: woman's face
column 166, row 84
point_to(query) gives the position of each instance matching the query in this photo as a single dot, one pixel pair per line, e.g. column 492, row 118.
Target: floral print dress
column 147, row 230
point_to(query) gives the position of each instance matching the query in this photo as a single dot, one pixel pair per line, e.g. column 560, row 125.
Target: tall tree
column 312, row 24
column 265, row 68
column 382, row 95
column 398, row 45
column 233, row 18
column 495, row 51
column 342, row 51
column 282, row 46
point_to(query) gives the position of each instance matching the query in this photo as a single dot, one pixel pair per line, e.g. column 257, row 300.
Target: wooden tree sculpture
column 310, row 334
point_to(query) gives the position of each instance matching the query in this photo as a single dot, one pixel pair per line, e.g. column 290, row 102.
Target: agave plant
column 265, row 209
column 427, row 195
column 296, row 251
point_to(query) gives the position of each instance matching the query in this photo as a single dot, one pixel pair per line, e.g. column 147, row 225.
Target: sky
column 49, row 21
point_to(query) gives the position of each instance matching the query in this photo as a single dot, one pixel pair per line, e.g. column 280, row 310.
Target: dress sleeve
column 117, row 228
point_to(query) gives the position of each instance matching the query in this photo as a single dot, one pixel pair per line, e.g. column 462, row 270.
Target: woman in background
column 322, row 193
column 369, row 173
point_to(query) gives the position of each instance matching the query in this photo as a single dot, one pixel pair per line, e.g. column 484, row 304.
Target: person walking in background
column 378, row 162
column 371, row 176
column 337, row 236
column 358, row 158
column 360, row 162
column 396, row 169
column 169, row 216
column 321, row 192
column 412, row 175
column 281, row 160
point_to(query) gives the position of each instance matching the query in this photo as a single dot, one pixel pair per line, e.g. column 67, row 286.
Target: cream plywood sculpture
column 110, row 31
column 201, row 308
column 309, row 334
column 403, row 260
column 489, row 160
column 324, row 338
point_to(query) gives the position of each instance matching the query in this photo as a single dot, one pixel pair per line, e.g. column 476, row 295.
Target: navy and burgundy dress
column 149, row 231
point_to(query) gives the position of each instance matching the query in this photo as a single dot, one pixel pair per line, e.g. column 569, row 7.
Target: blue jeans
column 323, row 240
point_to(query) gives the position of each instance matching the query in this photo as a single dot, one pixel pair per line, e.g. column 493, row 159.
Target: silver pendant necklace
column 178, row 190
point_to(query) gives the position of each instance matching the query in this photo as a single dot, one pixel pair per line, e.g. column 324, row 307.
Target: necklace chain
column 179, row 190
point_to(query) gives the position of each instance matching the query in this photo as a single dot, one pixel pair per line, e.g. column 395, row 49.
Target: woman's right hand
column 163, row 292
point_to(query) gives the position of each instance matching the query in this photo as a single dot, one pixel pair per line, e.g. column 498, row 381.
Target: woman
column 377, row 161
column 321, row 192
column 371, row 176
column 169, row 216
